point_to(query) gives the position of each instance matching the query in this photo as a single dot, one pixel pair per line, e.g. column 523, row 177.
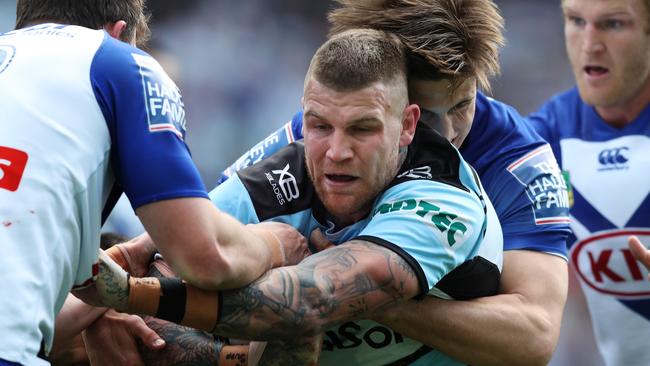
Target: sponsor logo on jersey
column 613, row 159
column 165, row 108
column 423, row 172
column 350, row 335
column 284, row 184
column 446, row 222
column 545, row 185
column 604, row 262
column 12, row 166
column 7, row 53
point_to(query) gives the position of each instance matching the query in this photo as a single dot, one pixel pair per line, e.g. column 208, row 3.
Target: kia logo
column 604, row 262
column 613, row 156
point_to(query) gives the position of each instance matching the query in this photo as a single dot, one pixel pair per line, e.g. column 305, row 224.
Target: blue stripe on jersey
column 146, row 124
column 640, row 217
column 585, row 213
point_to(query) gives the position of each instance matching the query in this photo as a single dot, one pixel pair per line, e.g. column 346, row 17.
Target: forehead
column 605, row 7
column 440, row 93
column 325, row 101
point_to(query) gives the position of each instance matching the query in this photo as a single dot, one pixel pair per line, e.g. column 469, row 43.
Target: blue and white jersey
column 516, row 166
column 433, row 214
column 81, row 115
column 609, row 176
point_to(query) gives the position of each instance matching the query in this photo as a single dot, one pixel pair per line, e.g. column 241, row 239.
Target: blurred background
column 240, row 66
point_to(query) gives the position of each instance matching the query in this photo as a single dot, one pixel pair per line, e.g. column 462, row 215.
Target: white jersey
column 63, row 112
column 609, row 173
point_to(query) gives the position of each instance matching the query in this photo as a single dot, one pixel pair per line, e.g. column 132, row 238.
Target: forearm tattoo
column 279, row 353
column 340, row 284
column 185, row 346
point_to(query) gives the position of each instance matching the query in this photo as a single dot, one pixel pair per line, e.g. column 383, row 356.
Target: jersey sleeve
column 283, row 136
column 146, row 120
column 444, row 227
column 522, row 178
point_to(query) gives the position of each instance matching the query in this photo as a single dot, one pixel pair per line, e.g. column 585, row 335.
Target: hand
column 111, row 340
column 112, row 283
column 294, row 245
column 134, row 255
column 639, row 251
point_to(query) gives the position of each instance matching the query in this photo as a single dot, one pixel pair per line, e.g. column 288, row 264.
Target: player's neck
column 623, row 114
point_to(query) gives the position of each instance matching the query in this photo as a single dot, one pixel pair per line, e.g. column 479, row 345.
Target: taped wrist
column 174, row 300
column 234, row 355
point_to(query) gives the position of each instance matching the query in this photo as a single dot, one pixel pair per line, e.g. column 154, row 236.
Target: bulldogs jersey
column 608, row 171
column 80, row 113
column 433, row 214
column 516, row 166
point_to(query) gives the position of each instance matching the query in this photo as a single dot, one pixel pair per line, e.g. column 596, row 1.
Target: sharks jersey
column 80, row 114
column 516, row 166
column 434, row 214
column 608, row 172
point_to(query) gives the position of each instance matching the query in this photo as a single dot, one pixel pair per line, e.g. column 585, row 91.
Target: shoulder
column 279, row 184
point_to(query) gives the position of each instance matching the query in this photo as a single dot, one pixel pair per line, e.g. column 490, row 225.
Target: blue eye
column 612, row 24
column 579, row 22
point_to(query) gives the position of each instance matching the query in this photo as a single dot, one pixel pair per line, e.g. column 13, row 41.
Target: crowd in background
column 240, row 66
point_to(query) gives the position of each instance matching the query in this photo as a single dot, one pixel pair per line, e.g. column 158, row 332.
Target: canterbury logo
column 613, row 156
column 423, row 172
column 287, row 183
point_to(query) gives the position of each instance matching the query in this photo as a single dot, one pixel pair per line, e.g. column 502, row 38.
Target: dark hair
column 357, row 58
column 455, row 39
column 94, row 14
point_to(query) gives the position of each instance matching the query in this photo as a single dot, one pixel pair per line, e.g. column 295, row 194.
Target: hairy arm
column 340, row 284
column 519, row 326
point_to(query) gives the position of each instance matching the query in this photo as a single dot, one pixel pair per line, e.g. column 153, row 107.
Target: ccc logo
column 613, row 156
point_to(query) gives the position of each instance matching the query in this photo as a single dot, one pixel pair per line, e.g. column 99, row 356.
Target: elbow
column 543, row 341
column 544, row 345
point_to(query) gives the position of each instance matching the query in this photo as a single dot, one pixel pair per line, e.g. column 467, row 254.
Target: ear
column 410, row 119
column 115, row 29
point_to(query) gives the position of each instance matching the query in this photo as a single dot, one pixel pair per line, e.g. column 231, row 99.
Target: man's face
column 450, row 112
column 351, row 144
column 608, row 44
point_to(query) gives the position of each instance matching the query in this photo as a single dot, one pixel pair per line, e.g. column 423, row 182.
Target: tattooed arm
column 280, row 353
column 340, row 284
column 185, row 346
column 344, row 283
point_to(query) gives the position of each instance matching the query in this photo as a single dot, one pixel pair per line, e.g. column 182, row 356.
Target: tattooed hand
column 112, row 283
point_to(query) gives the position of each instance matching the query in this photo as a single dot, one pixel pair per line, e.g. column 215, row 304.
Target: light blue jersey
column 433, row 214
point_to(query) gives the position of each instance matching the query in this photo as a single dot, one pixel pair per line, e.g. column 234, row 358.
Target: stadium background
column 240, row 66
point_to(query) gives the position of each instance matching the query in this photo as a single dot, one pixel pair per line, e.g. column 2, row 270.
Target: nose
column 591, row 40
column 339, row 148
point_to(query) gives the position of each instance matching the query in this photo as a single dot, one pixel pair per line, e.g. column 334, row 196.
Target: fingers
column 109, row 340
column 639, row 251
column 319, row 241
column 294, row 244
column 148, row 336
